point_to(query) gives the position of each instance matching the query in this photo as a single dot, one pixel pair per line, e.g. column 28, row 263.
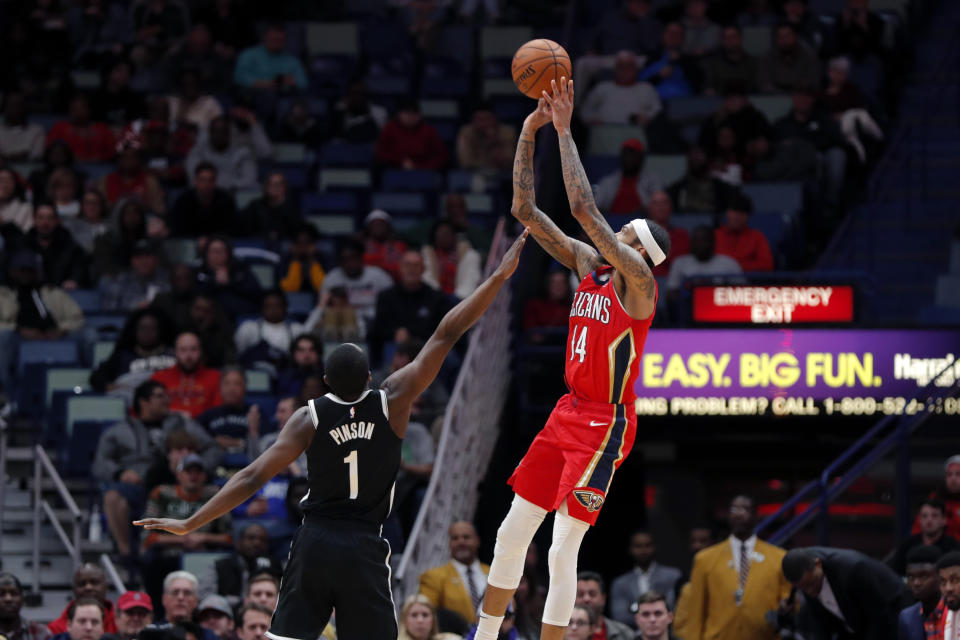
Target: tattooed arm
column 572, row 253
column 637, row 284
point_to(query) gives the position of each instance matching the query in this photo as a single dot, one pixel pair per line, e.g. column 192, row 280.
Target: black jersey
column 353, row 461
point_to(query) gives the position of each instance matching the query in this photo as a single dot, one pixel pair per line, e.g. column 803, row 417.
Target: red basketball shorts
column 575, row 455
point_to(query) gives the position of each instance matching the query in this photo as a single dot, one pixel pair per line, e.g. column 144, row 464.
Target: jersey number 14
column 578, row 343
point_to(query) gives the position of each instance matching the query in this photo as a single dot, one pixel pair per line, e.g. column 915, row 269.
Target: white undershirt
column 479, row 577
column 644, row 578
column 951, row 630
column 735, row 544
column 829, row 601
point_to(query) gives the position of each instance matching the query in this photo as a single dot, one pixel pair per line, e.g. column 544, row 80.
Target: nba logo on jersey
column 589, row 499
column 353, row 412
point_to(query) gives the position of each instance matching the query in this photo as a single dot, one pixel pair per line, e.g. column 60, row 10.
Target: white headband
column 642, row 229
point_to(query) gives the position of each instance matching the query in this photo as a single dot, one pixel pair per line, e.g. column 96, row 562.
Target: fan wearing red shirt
column 381, row 248
column 661, row 207
column 193, row 388
column 131, row 177
column 407, row 142
column 89, row 141
column 749, row 247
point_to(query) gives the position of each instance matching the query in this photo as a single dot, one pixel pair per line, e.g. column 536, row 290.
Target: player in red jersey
column 571, row 463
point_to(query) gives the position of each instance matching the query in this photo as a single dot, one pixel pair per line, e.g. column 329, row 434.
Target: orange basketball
column 538, row 62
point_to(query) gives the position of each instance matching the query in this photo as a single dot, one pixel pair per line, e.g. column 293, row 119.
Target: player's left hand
column 176, row 527
column 512, row 257
column 561, row 103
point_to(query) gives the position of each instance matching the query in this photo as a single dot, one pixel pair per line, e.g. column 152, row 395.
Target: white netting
column 470, row 430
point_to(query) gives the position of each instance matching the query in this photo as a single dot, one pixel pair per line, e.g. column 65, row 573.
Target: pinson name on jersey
column 352, row 431
column 591, row 305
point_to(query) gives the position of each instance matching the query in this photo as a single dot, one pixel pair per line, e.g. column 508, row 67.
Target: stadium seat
column 388, row 86
column 257, row 381
column 502, row 42
column 447, row 129
column 689, row 221
column 48, row 352
column 412, row 180
column 345, row 179
column 456, row 42
column 65, row 379
column 333, row 225
column 757, row 40
column 597, row 167
column 334, row 202
column 948, row 291
column 669, row 169
column 479, row 203
column 266, row 274
column 396, row 202
column 773, row 225
column 606, row 140
column 692, row 109
column 180, row 250
column 80, row 448
column 244, row 197
column 499, row 87
column 85, row 80
column 346, row 154
column 289, row 152
column 296, row 175
column 332, row 38
column 776, row 196
column 201, row 562
column 87, row 299
column 300, row 302
column 439, row 109
column 105, row 324
column 773, row 107
column 100, row 352
column 267, row 403
column 444, row 87
column 93, row 408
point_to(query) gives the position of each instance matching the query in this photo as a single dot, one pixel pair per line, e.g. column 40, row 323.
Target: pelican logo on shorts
column 589, row 499
column 353, row 412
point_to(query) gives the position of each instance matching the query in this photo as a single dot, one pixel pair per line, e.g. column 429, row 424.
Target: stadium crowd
column 196, row 196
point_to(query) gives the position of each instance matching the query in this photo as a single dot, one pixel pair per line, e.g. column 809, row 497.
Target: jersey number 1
column 351, row 460
column 578, row 344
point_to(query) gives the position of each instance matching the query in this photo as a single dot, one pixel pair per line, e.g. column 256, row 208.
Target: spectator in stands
column 246, row 130
column 622, row 100
column 859, row 30
column 205, row 208
column 948, row 567
column 355, row 118
column 231, row 27
column 418, row 620
column 273, row 216
column 362, row 283
column 263, row 343
column 263, row 589
column 659, row 210
column 416, row 467
column 112, row 250
column 592, row 594
column 652, row 617
column 807, row 122
column 738, row 114
column 845, row 102
column 20, row 141
column 933, row 523
column 336, row 320
column 743, row 571
column 486, row 143
column 411, row 308
column 235, row 163
column 178, row 299
column 701, row 37
column 949, row 493
column 198, row 56
column 629, row 189
column 179, row 595
column 136, row 287
column 62, row 193
column 209, row 321
column 790, row 63
column 306, row 357
column 160, row 25
column 91, row 222
column 216, row 615
column 115, row 104
column 131, row 178
column 301, row 125
column 847, row 592
column 127, row 449
column 97, row 30
column 191, row 105
column 552, row 308
column 749, row 247
column 269, row 66
column 301, row 268
column 805, row 22
column 57, row 155
column 924, row 585
column 228, row 577
column 673, row 73
column 451, row 264
column 85, row 621
column 193, row 388
column 90, row 141
column 90, row 587
column 254, row 620
column 145, row 345
column 235, row 424
column 382, row 247
column 163, row 552
column 64, row 262
column 408, row 142
column 630, row 27
column 584, row 624
column 458, row 585
column 454, row 208
column 228, row 280
column 14, row 208
column 730, row 65
column 134, row 612
column 12, row 626
column 646, row 575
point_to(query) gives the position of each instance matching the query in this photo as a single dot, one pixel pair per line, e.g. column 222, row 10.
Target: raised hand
column 176, row 527
column 561, row 103
column 512, row 257
column 540, row 116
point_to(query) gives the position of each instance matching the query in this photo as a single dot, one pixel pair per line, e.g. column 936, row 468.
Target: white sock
column 488, row 626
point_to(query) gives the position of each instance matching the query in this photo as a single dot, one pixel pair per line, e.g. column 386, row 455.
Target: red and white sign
column 782, row 304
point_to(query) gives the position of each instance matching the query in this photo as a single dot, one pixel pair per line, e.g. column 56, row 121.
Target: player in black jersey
column 352, row 438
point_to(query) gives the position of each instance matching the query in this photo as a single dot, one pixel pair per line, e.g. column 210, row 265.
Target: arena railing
column 469, row 433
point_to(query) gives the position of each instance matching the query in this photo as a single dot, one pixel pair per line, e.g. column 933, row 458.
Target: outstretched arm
column 293, row 440
column 632, row 266
column 404, row 386
column 571, row 253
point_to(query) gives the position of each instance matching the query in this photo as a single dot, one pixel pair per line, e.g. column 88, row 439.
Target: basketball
column 538, row 62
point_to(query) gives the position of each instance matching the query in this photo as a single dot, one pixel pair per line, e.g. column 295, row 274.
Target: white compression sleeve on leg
column 513, row 538
column 562, row 594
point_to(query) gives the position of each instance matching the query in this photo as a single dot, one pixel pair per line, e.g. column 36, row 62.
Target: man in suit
column 458, row 586
column 849, row 595
column 924, row 584
column 646, row 575
column 733, row 585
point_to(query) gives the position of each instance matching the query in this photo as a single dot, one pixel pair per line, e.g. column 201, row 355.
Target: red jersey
column 604, row 344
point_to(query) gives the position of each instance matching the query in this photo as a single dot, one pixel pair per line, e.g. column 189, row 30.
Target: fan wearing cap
column 134, row 612
column 381, row 246
column 629, row 189
column 137, row 286
column 408, row 142
column 216, row 616
column 131, row 178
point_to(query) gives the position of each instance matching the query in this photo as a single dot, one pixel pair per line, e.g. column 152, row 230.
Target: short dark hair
column 351, row 244
column 594, row 577
column 263, row 576
column 143, row 392
column 650, row 597
column 796, row 563
column 191, row 627
column 740, row 202
column 253, row 606
column 180, row 439
column 347, row 370
column 935, row 503
column 410, row 348
column 275, row 291
column 924, row 554
column 204, row 166
column 309, row 337
column 662, row 237
column 83, row 602
column 6, row 576
column 948, row 560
